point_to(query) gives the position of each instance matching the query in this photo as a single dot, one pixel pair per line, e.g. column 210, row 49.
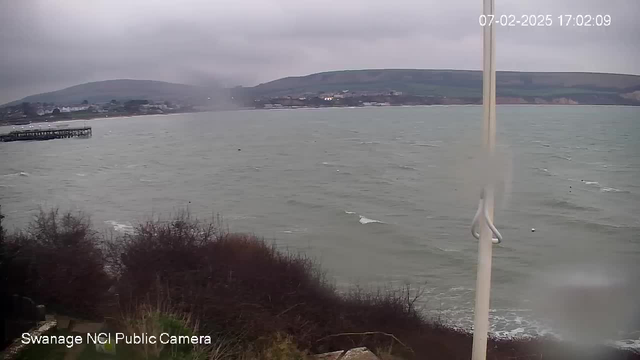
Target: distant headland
column 383, row 87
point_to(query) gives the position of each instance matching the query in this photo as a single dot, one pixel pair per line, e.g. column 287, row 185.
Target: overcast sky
column 51, row 44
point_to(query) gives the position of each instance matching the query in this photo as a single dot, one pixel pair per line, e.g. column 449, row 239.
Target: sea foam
column 609, row 189
column 22, row 173
column 365, row 220
column 120, row 227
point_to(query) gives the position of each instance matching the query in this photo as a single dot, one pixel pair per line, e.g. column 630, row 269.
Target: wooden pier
column 46, row 134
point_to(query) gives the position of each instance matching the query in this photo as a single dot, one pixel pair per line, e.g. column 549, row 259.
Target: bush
column 240, row 285
column 57, row 261
column 277, row 347
column 274, row 305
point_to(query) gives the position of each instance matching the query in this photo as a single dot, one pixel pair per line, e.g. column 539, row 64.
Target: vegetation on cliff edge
column 256, row 301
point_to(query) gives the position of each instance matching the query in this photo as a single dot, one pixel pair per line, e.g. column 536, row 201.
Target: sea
column 382, row 198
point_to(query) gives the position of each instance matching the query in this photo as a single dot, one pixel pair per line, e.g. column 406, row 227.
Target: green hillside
column 452, row 83
column 584, row 88
column 123, row 89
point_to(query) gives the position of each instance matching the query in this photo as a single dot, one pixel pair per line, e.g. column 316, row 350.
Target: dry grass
column 152, row 320
column 276, row 347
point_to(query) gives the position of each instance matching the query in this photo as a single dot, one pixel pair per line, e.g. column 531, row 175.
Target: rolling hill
column 123, row 89
column 457, row 83
column 463, row 85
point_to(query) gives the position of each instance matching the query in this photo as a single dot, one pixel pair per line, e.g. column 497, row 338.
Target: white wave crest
column 546, row 171
column 447, row 250
column 294, row 230
column 460, row 288
column 349, row 212
column 21, row 173
column 568, row 158
column 511, row 333
column 406, row 167
column 120, row 227
column 630, row 344
column 609, row 189
column 366, row 220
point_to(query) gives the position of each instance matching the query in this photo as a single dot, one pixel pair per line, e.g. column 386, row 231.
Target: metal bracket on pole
column 484, row 212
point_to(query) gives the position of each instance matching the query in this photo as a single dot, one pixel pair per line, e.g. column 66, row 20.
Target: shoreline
column 55, row 120
column 58, row 121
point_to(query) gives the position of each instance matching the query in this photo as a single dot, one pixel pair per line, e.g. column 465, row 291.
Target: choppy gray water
column 377, row 195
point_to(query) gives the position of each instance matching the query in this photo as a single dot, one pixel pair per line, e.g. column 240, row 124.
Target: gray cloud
column 49, row 44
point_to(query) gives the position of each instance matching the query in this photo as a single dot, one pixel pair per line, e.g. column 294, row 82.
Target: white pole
column 483, row 282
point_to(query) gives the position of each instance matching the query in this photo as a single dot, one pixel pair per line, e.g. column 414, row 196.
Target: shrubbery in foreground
column 57, row 260
column 256, row 301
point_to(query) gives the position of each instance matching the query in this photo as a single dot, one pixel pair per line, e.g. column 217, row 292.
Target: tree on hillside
column 85, row 102
column 134, row 105
column 56, row 111
column 27, row 109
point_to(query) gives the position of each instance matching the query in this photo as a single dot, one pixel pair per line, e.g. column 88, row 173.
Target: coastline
column 119, row 116
column 73, row 121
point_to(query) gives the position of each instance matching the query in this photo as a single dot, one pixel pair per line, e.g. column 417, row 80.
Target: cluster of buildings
column 45, row 109
column 26, row 112
column 328, row 99
column 344, row 94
